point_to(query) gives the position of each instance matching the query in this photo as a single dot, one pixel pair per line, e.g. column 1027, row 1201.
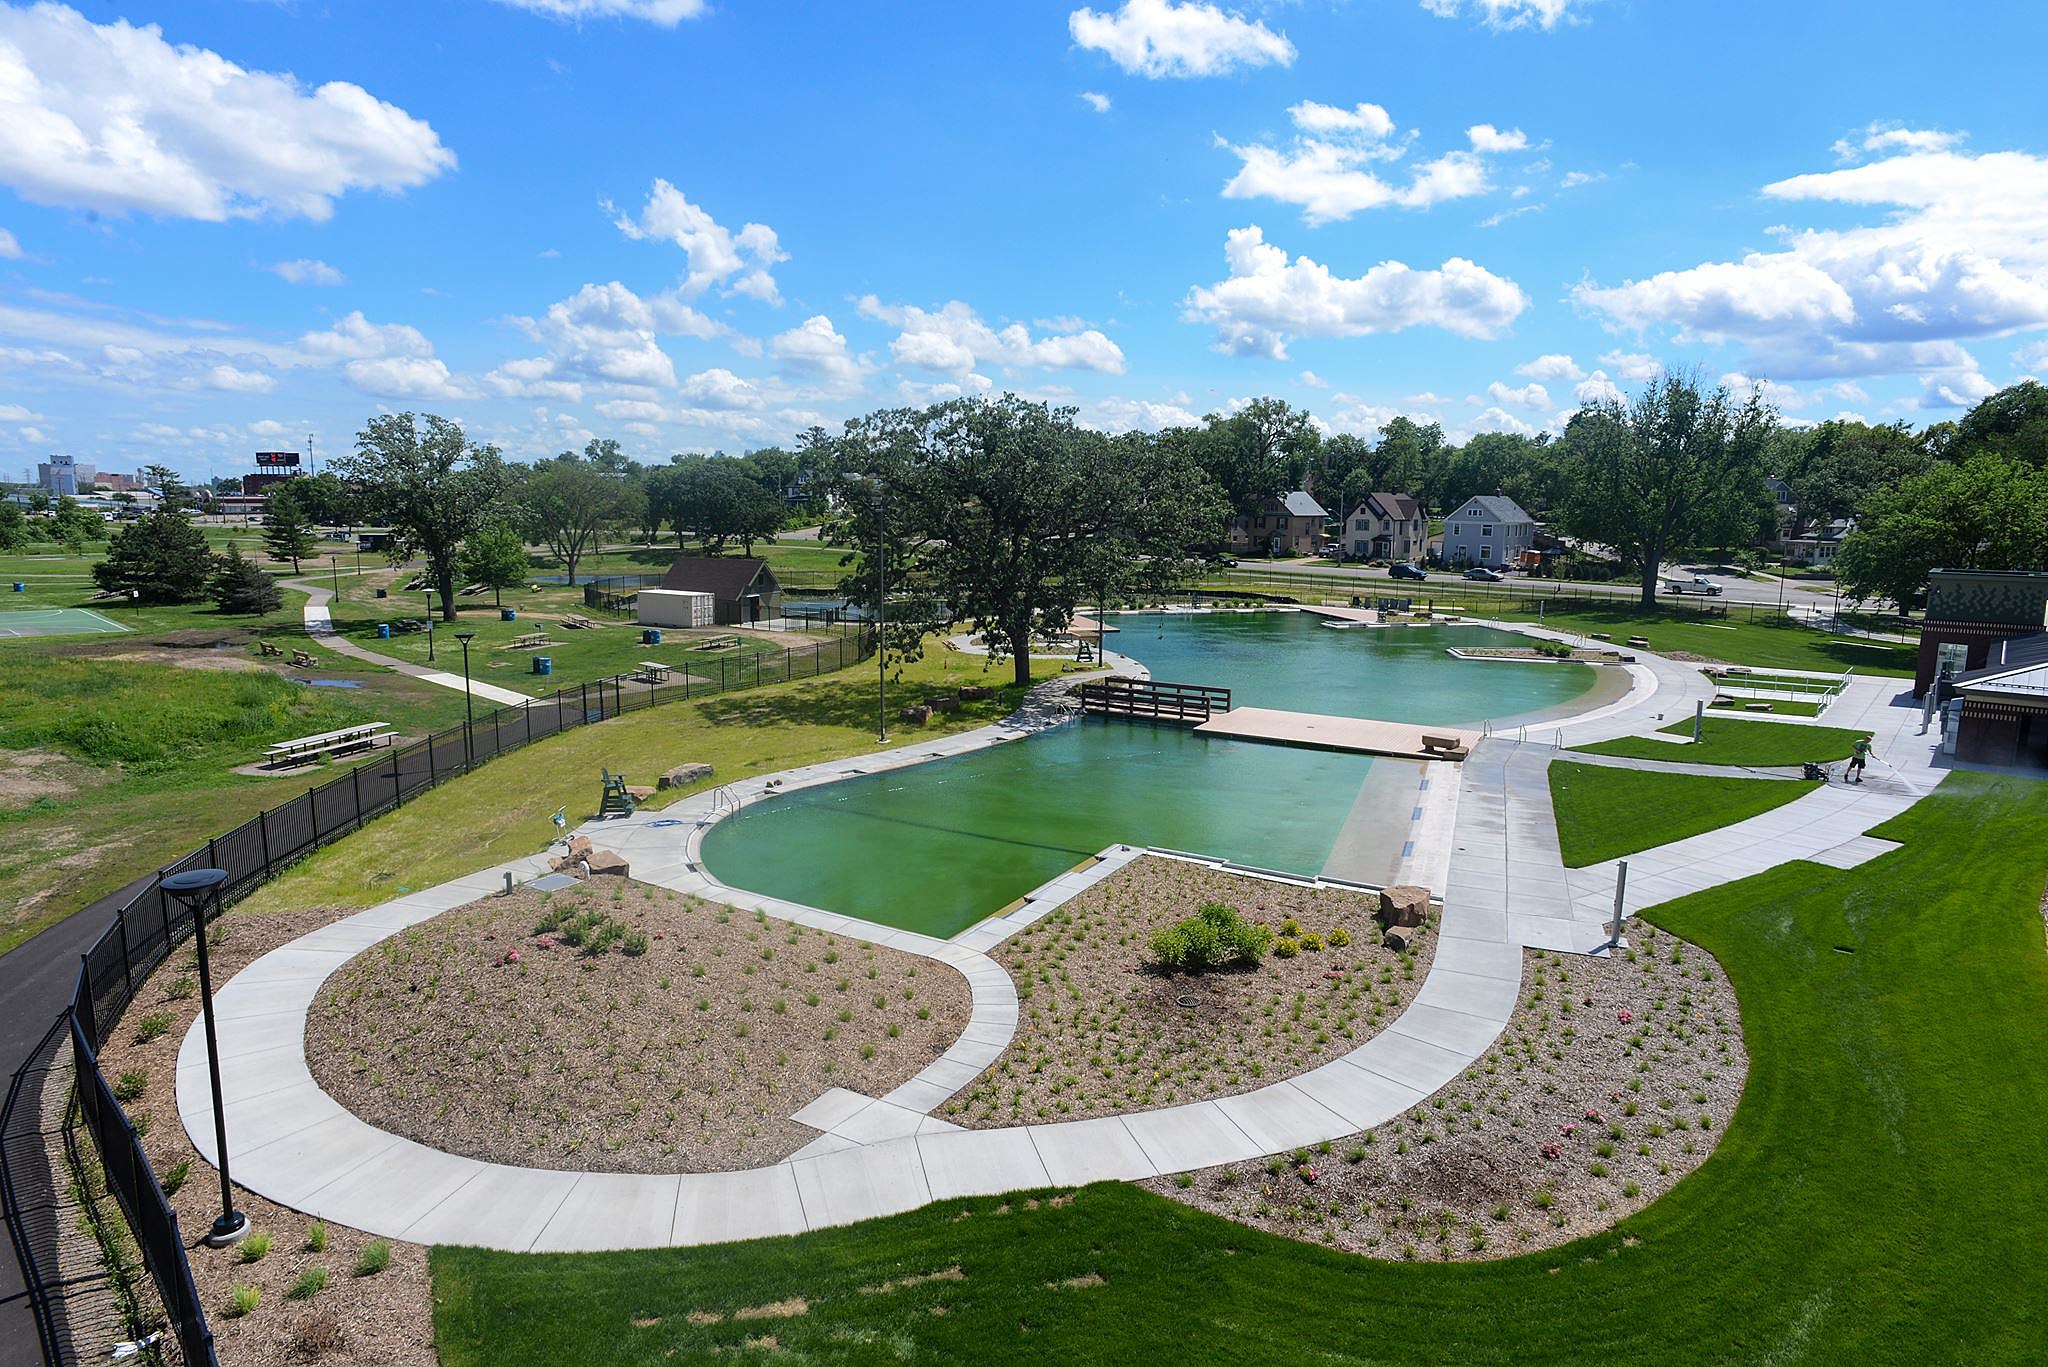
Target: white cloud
column 953, row 339
column 305, row 271
column 113, row 118
column 14, row 412
column 665, row 13
column 1500, row 420
column 356, row 337
column 10, row 249
column 1531, row 395
column 1574, row 179
column 1326, row 169
column 1501, row 15
column 1096, row 101
column 1313, row 380
column 384, row 360
column 34, row 436
column 715, row 254
column 1428, row 398
column 1957, row 256
column 1117, row 415
column 1488, row 139
column 816, row 347
column 1267, row 299
column 1881, row 137
column 1632, row 366
column 529, row 378
column 1597, row 388
column 1964, row 389
column 1158, row 38
column 404, row 377
column 1552, row 367
column 720, row 388
column 238, row 381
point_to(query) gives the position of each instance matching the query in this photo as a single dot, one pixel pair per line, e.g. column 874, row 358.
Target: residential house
column 743, row 591
column 1386, row 527
column 1815, row 543
column 1291, row 524
column 1490, row 530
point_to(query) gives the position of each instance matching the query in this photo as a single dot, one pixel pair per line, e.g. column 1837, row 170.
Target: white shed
column 676, row 608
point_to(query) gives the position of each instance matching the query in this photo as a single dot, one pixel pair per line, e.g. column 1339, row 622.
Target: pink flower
column 1309, row 1174
column 1595, row 1116
column 547, row 942
column 1550, row 1151
column 1624, row 1016
column 511, row 956
column 1571, row 1128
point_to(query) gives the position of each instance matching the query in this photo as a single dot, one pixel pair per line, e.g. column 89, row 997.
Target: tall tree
column 1678, row 467
column 430, row 484
column 160, row 558
column 1990, row 513
column 2013, row 422
column 324, row 499
column 287, row 530
column 1842, row 462
column 171, row 490
column 240, row 585
column 1258, row 451
column 13, row 526
column 495, row 558
column 568, row 504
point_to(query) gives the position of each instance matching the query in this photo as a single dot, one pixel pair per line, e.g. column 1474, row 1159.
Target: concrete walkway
column 320, row 626
column 876, row 1156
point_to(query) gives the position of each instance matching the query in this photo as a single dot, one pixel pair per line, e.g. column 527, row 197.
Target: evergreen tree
column 287, row 530
column 161, row 558
column 239, row 586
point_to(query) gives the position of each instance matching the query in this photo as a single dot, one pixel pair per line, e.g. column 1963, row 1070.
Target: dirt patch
column 1101, row 1032
column 370, row 1321
column 1613, row 1080
column 192, row 658
column 31, row 775
column 944, row 1274
column 774, row 1310
column 683, row 1045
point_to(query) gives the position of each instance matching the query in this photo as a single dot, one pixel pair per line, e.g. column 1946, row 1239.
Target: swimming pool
column 936, row 847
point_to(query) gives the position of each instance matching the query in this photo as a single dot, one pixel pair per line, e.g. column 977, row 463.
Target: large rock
column 1401, row 939
column 1404, row 904
column 609, row 863
column 683, row 775
column 917, row 712
column 976, row 692
column 578, row 851
column 947, row 704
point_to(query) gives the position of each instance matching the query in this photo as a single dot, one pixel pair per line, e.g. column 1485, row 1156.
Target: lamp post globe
column 195, row 889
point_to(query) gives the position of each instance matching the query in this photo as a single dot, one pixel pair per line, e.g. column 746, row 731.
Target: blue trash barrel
column 651, row 636
column 543, row 664
column 508, row 614
column 383, row 593
column 20, row 587
column 383, row 631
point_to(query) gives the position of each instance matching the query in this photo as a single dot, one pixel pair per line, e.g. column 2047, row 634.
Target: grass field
column 1878, row 1199
column 1604, row 813
column 1726, row 740
column 504, row 810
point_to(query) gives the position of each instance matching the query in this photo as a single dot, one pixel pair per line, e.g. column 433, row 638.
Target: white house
column 1490, row 530
column 1386, row 527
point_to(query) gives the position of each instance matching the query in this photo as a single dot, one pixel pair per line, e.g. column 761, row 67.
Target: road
column 1734, row 589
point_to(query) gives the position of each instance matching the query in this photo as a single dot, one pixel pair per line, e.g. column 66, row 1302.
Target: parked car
column 1484, row 575
column 1406, row 571
column 1698, row 584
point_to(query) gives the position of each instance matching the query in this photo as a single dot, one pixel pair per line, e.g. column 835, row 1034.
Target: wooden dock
column 1355, row 734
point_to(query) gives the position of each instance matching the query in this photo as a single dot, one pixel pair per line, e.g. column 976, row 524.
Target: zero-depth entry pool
column 938, row 846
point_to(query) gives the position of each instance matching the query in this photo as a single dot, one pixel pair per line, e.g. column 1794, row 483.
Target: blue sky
column 226, row 225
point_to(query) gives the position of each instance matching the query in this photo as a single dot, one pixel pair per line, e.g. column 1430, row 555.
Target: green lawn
column 1878, row 1198
column 1726, row 740
column 1604, row 813
column 504, row 810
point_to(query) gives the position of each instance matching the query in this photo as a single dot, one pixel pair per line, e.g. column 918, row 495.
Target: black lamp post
column 334, row 573
column 195, row 889
column 468, row 707
column 430, row 626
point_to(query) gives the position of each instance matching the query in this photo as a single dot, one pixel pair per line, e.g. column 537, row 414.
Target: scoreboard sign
column 277, row 460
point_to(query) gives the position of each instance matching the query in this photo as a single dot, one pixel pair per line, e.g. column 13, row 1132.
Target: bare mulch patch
column 683, row 1045
column 373, row 1320
column 1613, row 1080
column 1102, row 1032
column 28, row 776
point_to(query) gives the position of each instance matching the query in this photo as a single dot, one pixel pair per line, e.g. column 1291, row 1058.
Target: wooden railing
column 1149, row 700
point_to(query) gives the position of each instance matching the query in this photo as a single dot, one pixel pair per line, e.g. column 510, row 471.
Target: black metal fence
column 150, row 925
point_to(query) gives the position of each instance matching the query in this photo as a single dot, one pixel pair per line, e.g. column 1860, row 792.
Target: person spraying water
column 1859, row 755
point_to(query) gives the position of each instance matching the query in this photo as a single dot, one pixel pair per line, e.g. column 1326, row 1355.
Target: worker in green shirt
column 1859, row 753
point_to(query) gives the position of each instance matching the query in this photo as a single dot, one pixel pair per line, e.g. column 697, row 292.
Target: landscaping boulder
column 976, row 692
column 1401, row 939
column 609, row 863
column 916, row 712
column 947, row 704
column 578, row 851
column 683, row 775
column 1404, row 904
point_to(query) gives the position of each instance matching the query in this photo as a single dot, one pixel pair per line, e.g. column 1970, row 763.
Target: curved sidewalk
column 320, row 626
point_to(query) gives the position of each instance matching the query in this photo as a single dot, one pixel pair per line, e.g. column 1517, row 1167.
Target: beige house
column 1291, row 524
column 1386, row 527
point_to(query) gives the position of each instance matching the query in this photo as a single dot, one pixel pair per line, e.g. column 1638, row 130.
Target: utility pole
column 882, row 610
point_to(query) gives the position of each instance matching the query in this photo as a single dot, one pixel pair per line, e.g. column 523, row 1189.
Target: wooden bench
column 652, row 671
column 470, row 590
column 1601, row 635
column 301, row 660
column 270, row 651
column 1639, row 642
column 409, row 624
column 532, row 640
column 361, row 737
column 1758, row 706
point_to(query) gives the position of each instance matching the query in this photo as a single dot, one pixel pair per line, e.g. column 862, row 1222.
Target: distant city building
column 119, row 484
column 63, row 475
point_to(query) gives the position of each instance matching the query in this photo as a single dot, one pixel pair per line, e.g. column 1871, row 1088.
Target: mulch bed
column 1613, row 1080
column 373, row 1320
column 1102, row 1032
column 478, row 1034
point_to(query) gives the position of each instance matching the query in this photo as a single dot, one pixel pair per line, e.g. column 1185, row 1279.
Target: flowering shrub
column 1210, row 939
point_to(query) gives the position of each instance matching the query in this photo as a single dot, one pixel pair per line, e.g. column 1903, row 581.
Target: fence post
column 584, row 715
column 263, row 834
column 355, row 777
column 397, row 783
column 721, row 673
column 528, row 710
column 127, row 974
column 433, row 778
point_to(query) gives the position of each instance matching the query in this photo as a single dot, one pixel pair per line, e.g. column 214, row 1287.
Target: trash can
column 20, row 587
column 651, row 636
column 383, row 593
column 383, row 631
column 508, row 614
column 543, row 664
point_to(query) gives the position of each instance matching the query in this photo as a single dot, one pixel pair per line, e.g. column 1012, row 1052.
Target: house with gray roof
column 1386, row 527
column 1289, row 524
column 1490, row 530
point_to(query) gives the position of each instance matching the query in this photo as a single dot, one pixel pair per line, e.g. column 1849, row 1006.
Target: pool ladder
column 722, row 802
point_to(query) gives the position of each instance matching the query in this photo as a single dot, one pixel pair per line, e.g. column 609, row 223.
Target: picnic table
column 652, row 671
column 576, row 621
column 360, row 737
column 719, row 643
column 532, row 640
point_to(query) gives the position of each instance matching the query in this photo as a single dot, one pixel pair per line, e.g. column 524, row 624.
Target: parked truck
column 1697, row 584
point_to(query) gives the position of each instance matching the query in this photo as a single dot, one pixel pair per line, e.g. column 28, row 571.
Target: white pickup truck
column 1698, row 583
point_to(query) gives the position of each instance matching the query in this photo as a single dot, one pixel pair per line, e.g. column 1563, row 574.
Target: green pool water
column 938, row 846
column 1290, row 660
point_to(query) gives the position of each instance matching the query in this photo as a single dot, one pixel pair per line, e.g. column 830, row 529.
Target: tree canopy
column 430, row 484
column 569, row 503
column 160, row 558
column 1989, row 513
